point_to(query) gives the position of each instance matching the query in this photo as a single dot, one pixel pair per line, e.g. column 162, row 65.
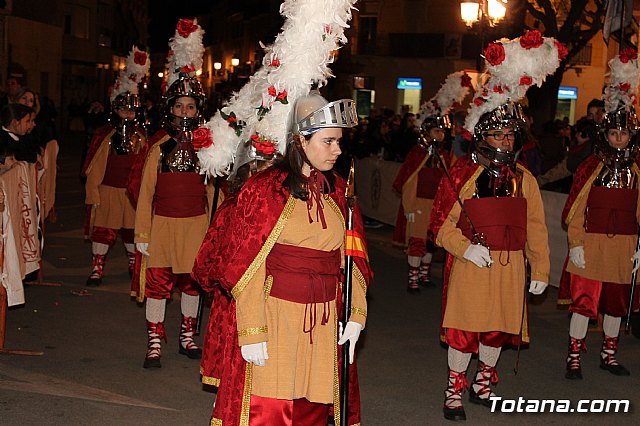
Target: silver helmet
column 184, row 86
column 508, row 115
column 622, row 119
column 313, row 112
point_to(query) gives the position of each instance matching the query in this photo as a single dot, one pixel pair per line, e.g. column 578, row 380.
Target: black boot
column 186, row 344
column 457, row 384
column 608, row 357
column 156, row 333
column 574, row 367
column 486, row 376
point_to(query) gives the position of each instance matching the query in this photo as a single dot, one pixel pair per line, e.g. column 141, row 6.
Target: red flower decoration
column 526, row 81
column 498, row 89
column 531, row 40
column 624, row 86
column 465, row 80
column 466, row 134
column 282, row 96
column 188, row 69
column 456, row 104
column 201, row 138
column 186, row 27
column 275, row 62
column 494, row 53
column 272, row 91
column 562, row 50
column 478, row 101
column 140, row 58
column 327, row 29
column 231, row 120
column 170, row 54
column 266, row 147
column 628, row 54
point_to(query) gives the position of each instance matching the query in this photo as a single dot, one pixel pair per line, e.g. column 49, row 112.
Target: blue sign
column 567, row 92
column 409, row 83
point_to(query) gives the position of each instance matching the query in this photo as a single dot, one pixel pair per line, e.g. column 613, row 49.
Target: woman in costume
column 602, row 217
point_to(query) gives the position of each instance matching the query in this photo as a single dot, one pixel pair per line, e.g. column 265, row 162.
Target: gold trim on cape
column 246, row 395
column 584, row 191
column 99, row 150
column 143, row 279
column 268, row 283
column 253, row 331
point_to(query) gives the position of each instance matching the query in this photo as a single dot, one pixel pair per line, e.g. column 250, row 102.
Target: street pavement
column 94, row 341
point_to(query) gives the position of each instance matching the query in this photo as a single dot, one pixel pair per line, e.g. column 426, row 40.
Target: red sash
column 611, row 211
column 428, row 181
column 503, row 221
column 303, row 275
column 180, row 195
column 118, row 169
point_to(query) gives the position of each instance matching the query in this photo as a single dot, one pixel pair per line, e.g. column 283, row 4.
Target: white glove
column 479, row 255
column 96, row 205
column 636, row 256
column 351, row 333
column 537, row 287
column 411, row 217
column 143, row 248
column 255, row 353
column 576, row 255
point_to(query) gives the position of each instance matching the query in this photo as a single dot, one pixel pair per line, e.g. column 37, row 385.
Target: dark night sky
column 164, row 15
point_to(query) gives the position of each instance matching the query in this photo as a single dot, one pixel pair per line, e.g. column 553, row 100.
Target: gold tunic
column 173, row 242
column 491, row 299
column 295, row 368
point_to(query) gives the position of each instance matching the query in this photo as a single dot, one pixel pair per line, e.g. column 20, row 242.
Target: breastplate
column 503, row 182
column 126, row 140
column 616, row 177
column 177, row 155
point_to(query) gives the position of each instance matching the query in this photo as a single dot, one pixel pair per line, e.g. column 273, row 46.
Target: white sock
column 489, row 355
column 155, row 310
column 427, row 258
column 578, row 326
column 189, row 305
column 99, row 248
column 414, row 261
column 611, row 326
column 458, row 361
column 131, row 248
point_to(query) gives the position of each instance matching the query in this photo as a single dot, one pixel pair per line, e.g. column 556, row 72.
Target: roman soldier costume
column 602, row 217
column 497, row 224
column 418, row 178
column 112, row 152
column 172, row 213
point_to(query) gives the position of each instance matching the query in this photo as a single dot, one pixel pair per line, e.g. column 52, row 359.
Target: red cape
column 226, row 253
column 135, row 177
column 96, row 141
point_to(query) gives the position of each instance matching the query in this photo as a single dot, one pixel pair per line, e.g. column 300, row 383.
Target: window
column 76, row 21
column 367, row 35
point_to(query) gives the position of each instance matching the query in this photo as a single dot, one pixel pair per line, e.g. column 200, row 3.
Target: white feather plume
column 624, row 77
column 299, row 57
column 454, row 89
column 511, row 78
column 136, row 67
column 185, row 52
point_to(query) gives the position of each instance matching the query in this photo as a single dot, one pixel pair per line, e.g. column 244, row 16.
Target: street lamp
column 484, row 14
column 235, row 62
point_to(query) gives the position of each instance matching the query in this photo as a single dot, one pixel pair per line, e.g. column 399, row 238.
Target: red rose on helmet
column 465, row 80
column 272, row 91
column 282, row 97
column 188, row 69
column 275, row 62
column 266, row 147
column 525, row 80
column 494, row 53
column 201, row 138
column 498, row 89
column 562, row 50
column 628, row 54
column 186, row 27
column 624, row 86
column 531, row 40
column 140, row 58
column 478, row 101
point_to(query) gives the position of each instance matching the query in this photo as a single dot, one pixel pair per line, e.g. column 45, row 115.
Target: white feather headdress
column 298, row 58
column 136, row 68
column 624, row 77
column 513, row 67
column 455, row 88
column 185, row 50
